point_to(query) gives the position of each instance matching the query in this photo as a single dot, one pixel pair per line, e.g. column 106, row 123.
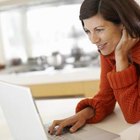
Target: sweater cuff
column 123, row 78
column 83, row 104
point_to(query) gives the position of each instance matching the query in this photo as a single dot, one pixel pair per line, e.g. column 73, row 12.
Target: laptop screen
column 20, row 112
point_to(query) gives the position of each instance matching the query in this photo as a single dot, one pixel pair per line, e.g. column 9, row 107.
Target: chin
column 107, row 53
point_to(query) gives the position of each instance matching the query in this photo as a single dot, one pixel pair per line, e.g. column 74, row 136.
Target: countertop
column 52, row 76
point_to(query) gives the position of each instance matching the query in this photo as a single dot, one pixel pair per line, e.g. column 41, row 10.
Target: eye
column 86, row 31
column 99, row 30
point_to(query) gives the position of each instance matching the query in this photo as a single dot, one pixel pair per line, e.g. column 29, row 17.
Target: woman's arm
column 104, row 101
column 126, row 87
column 125, row 79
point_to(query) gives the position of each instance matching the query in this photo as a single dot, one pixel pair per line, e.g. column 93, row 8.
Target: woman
column 116, row 32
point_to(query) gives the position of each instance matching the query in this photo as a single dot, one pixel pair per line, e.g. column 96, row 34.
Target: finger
column 76, row 126
column 59, row 130
column 66, row 124
column 54, row 124
column 125, row 34
column 135, row 40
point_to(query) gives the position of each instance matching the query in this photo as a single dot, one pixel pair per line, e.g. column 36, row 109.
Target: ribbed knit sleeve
column 126, row 88
column 123, row 78
column 104, row 101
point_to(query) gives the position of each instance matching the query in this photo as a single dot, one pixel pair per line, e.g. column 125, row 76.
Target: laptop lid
column 20, row 112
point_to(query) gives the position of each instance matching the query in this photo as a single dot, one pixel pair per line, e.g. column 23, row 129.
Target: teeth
column 100, row 47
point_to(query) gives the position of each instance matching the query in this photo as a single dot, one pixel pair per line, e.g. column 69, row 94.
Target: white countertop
column 114, row 123
column 52, row 76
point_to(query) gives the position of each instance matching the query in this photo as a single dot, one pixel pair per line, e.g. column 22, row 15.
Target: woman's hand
column 75, row 122
column 125, row 44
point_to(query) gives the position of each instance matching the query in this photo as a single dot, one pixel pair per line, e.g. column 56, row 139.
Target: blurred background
column 36, row 35
column 43, row 46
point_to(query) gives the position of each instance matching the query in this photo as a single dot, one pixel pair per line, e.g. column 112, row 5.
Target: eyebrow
column 101, row 26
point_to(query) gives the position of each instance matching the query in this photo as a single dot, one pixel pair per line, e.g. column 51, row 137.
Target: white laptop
column 25, row 122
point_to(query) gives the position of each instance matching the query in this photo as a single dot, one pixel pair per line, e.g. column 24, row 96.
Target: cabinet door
column 91, row 88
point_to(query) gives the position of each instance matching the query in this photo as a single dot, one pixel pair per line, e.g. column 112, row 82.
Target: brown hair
column 126, row 12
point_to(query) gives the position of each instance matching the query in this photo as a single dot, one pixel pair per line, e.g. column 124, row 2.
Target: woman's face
column 103, row 33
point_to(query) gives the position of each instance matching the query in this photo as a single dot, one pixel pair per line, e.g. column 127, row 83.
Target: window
column 55, row 29
column 12, row 36
column 41, row 30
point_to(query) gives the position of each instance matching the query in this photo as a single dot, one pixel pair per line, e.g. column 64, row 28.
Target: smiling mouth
column 101, row 47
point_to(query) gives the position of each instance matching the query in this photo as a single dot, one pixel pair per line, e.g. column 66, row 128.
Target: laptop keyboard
column 89, row 132
column 53, row 137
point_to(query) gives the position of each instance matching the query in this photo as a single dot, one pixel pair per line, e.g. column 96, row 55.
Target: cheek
column 114, row 37
column 106, row 37
column 117, row 34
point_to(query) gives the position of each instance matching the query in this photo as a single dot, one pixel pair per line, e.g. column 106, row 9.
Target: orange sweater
column 123, row 87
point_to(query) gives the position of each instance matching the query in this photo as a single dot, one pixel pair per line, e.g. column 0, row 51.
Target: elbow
column 131, row 114
column 131, row 120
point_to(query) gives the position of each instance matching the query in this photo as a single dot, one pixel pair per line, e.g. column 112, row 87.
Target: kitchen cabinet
column 79, row 88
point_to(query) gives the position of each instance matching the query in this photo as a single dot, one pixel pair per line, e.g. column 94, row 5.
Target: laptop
column 25, row 123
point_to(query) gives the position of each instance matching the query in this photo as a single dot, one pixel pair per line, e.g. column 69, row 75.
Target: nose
column 94, row 38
